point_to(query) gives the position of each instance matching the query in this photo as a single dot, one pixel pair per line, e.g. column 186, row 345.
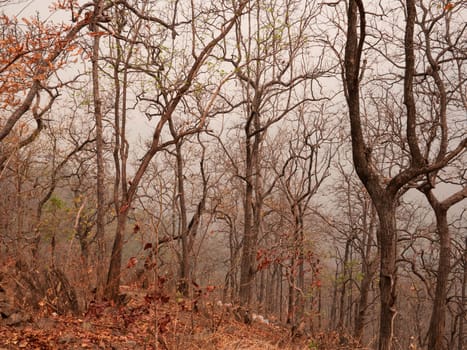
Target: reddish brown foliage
column 28, row 53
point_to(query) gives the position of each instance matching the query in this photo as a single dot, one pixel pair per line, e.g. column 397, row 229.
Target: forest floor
column 156, row 322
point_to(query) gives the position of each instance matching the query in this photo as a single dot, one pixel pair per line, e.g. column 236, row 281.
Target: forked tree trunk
column 383, row 197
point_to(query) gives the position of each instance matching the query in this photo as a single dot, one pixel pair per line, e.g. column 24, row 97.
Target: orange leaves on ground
column 150, row 319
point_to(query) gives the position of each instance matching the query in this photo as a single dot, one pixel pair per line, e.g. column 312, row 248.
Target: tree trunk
column 461, row 343
column 246, row 266
column 250, row 232
column 300, row 299
column 292, row 294
column 383, row 198
column 343, row 291
column 333, row 311
column 113, row 277
column 363, row 304
column 387, row 239
column 270, row 291
column 184, row 284
column 438, row 316
column 368, row 271
column 436, row 330
column 100, row 222
column 261, row 289
column 280, row 293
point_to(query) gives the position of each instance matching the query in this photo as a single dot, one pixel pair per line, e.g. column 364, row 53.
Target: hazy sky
column 26, row 8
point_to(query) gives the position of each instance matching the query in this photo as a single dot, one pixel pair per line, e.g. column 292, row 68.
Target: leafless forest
column 296, row 163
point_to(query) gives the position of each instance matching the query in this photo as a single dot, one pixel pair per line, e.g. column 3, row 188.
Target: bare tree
column 271, row 44
column 162, row 105
column 301, row 168
column 98, row 115
column 384, row 191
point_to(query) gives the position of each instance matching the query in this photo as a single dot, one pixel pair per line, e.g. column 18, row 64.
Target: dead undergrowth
column 156, row 321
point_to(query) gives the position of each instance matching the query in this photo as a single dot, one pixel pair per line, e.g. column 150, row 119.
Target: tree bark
column 388, row 274
column 362, row 306
column 291, row 319
column 184, row 285
column 250, row 230
column 112, row 288
column 343, row 290
column 438, row 316
column 369, row 270
column 463, row 314
column 437, row 327
column 100, row 221
column 246, row 267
